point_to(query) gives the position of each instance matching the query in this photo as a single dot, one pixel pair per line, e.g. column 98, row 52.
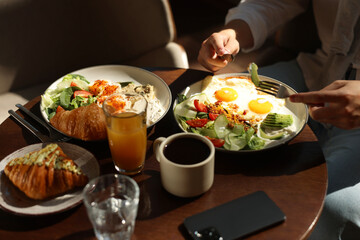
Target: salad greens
column 75, row 77
column 70, row 93
column 192, row 115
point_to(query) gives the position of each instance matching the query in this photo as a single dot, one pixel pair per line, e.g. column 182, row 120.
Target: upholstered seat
column 43, row 40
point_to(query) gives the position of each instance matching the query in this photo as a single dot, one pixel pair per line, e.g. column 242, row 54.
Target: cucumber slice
column 238, row 129
column 208, row 132
column 227, row 146
column 220, row 126
column 236, row 142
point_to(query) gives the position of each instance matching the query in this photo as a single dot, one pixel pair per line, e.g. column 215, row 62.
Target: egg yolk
column 260, row 106
column 226, row 94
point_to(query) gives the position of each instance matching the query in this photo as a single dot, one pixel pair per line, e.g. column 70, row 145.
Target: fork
column 272, row 88
column 276, row 89
column 54, row 135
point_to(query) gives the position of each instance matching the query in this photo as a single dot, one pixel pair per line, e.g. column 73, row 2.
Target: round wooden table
column 294, row 176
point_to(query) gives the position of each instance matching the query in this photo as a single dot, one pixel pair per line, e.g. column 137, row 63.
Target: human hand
column 214, row 48
column 337, row 104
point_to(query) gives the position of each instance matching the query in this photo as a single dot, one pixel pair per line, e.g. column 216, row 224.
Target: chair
column 43, row 40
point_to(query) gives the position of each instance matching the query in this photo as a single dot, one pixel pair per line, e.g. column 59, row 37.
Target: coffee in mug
column 186, row 163
column 186, row 150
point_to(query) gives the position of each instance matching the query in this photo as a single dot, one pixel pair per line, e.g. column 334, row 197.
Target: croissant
column 45, row 173
column 86, row 123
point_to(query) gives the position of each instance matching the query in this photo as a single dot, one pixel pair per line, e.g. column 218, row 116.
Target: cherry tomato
column 200, row 107
column 213, row 116
column 82, row 93
column 217, row 142
column 197, row 122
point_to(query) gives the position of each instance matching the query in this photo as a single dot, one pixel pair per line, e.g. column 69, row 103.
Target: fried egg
column 260, row 106
column 241, row 93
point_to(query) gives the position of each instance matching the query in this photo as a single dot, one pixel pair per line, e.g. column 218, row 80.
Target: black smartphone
column 235, row 219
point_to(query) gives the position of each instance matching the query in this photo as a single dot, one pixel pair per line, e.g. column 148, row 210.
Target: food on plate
column 234, row 115
column 70, row 93
column 254, row 74
column 154, row 108
column 119, row 103
column 86, row 123
column 45, row 173
column 102, row 89
column 75, row 92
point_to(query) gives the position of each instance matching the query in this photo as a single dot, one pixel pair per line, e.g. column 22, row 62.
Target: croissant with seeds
column 45, row 173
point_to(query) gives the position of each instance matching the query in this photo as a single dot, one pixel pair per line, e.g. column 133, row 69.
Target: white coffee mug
column 185, row 180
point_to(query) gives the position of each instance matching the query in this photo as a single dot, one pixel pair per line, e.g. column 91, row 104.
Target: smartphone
column 235, row 219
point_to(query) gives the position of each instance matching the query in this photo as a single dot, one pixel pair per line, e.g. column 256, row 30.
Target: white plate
column 122, row 73
column 15, row 201
column 298, row 109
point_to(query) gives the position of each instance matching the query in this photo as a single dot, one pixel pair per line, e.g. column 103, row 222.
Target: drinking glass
column 111, row 202
column 126, row 130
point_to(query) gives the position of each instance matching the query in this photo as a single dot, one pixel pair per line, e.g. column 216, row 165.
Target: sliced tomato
column 213, row 116
column 82, row 93
column 217, row 142
column 59, row 109
column 200, row 107
column 73, row 84
column 197, row 122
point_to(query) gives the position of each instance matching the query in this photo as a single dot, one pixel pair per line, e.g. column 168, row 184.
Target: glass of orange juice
column 126, row 130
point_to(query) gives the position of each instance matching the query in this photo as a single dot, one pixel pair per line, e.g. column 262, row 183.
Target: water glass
column 111, row 202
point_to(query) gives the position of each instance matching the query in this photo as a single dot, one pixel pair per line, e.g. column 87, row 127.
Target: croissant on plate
column 87, row 123
column 45, row 173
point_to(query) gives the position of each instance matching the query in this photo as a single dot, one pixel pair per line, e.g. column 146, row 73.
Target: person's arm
column 337, row 104
column 247, row 27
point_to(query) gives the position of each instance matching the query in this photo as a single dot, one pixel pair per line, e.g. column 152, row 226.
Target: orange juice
column 127, row 141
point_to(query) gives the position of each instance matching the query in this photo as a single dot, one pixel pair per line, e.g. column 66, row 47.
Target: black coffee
column 186, row 150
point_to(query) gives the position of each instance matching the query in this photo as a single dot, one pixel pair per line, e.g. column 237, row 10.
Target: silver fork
column 55, row 135
column 276, row 89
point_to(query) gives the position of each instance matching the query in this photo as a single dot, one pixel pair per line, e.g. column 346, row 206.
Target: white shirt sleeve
column 265, row 16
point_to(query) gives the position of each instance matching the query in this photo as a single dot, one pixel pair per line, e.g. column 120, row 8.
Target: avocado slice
column 252, row 69
column 276, row 120
column 272, row 137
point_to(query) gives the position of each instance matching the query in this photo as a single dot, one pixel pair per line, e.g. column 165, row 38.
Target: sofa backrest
column 41, row 40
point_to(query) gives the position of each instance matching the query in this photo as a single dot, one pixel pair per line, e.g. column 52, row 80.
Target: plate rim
column 44, row 116
column 66, row 207
column 249, row 151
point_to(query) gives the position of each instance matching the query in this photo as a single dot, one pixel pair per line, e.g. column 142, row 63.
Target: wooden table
column 294, row 176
